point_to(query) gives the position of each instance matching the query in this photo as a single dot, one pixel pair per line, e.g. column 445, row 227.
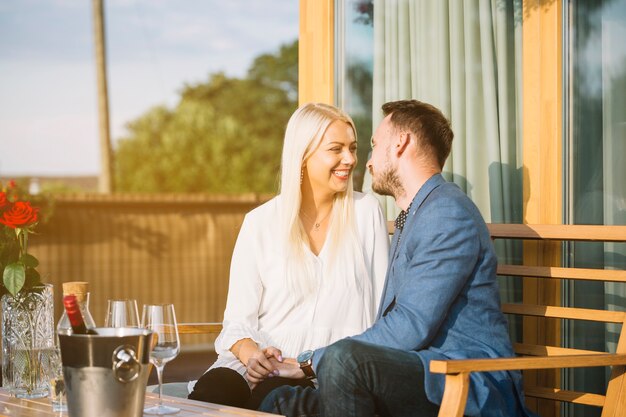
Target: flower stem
column 22, row 237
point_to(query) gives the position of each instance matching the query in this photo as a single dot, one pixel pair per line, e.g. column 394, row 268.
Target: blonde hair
column 303, row 135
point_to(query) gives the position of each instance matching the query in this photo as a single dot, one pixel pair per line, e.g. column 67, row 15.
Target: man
column 441, row 299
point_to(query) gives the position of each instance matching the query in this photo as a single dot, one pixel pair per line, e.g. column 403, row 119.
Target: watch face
column 305, row 356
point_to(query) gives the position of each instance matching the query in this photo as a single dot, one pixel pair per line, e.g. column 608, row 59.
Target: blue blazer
column 441, row 299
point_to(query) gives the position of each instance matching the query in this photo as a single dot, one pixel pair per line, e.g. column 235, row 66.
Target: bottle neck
column 83, row 304
column 79, row 318
column 82, row 299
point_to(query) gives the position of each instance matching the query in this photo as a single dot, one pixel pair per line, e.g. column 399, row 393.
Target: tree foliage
column 224, row 136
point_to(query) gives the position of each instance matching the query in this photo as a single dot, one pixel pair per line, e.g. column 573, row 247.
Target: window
column 595, row 120
column 354, row 66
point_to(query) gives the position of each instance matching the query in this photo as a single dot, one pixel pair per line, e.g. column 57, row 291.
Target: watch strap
column 307, row 368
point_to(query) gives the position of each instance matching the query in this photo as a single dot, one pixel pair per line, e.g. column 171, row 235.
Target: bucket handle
column 126, row 367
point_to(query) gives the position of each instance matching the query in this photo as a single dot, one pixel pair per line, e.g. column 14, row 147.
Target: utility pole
column 105, row 179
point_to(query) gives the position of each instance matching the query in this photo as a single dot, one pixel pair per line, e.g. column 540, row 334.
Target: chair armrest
column 456, row 366
column 458, row 370
column 199, row 328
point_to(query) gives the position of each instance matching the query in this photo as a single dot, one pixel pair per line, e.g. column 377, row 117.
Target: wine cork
column 78, row 288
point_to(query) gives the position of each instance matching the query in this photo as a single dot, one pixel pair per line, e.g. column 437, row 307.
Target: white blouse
column 260, row 307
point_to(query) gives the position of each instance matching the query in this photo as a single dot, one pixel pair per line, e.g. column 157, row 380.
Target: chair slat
column 565, row 312
column 542, row 350
column 199, row 328
column 576, row 397
column 587, row 274
column 558, row 232
column 455, row 366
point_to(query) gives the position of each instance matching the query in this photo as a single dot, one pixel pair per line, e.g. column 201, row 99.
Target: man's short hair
column 426, row 122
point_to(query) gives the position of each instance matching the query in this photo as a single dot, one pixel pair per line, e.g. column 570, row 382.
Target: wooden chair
column 542, row 356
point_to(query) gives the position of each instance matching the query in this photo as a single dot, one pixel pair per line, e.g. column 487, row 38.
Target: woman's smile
column 342, row 174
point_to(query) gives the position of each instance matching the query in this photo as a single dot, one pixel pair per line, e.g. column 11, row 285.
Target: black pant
column 226, row 386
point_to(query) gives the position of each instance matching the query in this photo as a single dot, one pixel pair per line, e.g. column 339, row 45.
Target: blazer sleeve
column 244, row 291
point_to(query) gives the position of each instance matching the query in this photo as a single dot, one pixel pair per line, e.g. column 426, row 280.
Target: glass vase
column 27, row 341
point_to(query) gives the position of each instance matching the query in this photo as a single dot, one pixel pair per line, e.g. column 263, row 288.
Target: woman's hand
column 261, row 364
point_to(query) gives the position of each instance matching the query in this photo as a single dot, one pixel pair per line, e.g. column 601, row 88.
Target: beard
column 387, row 182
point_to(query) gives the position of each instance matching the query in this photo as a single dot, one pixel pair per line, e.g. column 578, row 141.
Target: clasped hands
column 264, row 363
column 268, row 363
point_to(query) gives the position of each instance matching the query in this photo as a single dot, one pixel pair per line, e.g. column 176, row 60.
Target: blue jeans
column 358, row 379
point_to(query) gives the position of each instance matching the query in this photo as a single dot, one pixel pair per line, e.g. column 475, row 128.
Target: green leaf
column 14, row 277
column 29, row 261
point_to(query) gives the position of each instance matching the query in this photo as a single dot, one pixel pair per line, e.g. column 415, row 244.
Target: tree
column 225, row 135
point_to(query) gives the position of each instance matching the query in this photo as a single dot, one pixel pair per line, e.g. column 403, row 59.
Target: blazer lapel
column 397, row 244
column 392, row 254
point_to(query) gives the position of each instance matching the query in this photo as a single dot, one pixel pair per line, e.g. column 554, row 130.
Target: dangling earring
column 301, row 175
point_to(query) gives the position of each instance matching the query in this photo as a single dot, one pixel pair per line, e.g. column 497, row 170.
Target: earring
column 301, row 175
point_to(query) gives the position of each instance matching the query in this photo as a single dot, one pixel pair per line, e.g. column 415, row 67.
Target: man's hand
column 288, row 368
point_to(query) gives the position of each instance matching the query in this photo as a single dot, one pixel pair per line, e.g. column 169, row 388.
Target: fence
column 155, row 248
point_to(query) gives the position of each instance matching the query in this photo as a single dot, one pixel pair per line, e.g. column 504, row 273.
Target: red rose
column 4, row 203
column 20, row 214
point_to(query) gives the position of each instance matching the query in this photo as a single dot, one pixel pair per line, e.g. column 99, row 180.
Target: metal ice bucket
column 106, row 374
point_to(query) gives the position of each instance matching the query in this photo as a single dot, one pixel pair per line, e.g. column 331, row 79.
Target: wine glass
column 161, row 319
column 57, row 393
column 122, row 313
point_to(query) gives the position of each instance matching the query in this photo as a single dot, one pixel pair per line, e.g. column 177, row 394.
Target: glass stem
column 159, row 369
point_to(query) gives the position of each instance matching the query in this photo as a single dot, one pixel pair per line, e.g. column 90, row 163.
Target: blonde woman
column 308, row 267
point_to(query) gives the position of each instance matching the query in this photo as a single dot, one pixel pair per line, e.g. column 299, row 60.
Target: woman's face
column 330, row 165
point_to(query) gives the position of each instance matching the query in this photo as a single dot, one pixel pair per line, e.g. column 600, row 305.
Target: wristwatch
column 305, row 359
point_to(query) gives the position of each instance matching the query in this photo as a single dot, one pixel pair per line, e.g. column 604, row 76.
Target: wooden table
column 12, row 407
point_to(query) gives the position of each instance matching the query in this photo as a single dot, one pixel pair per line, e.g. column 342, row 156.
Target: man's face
column 385, row 179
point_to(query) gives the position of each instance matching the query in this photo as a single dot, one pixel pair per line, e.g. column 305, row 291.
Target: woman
column 308, row 267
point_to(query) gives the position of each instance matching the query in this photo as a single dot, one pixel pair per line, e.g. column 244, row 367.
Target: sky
column 48, row 102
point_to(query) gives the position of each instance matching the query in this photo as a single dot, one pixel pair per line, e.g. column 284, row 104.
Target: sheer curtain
column 464, row 58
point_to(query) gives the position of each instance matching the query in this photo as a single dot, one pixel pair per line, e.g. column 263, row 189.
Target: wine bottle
column 81, row 290
column 74, row 315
